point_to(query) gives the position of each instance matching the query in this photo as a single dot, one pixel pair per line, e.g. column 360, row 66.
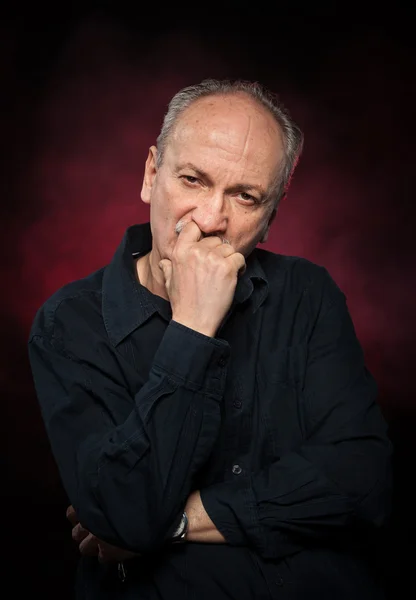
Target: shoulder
column 296, row 272
column 76, row 297
column 305, row 292
column 296, row 277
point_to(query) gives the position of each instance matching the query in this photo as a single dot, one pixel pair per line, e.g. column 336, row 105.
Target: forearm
column 306, row 497
column 118, row 478
column 200, row 527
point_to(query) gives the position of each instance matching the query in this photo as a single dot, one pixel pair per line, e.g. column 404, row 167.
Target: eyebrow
column 241, row 187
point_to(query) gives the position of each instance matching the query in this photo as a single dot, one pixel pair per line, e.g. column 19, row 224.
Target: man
column 207, row 402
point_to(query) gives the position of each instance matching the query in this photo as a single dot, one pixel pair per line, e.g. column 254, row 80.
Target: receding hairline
column 223, row 95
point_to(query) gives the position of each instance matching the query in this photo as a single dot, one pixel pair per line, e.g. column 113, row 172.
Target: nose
column 210, row 215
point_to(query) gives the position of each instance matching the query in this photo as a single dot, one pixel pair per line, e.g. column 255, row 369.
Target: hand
column 200, row 279
column 90, row 545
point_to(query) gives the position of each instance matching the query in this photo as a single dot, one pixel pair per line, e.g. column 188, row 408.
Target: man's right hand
column 90, row 545
column 200, row 279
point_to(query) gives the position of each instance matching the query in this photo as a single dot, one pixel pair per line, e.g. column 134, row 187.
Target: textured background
column 84, row 91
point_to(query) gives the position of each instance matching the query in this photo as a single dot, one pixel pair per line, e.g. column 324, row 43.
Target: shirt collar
column 126, row 304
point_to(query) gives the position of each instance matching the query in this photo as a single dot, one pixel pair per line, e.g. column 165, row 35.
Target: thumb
column 165, row 266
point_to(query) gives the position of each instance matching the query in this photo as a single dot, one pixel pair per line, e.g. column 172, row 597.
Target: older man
column 207, row 402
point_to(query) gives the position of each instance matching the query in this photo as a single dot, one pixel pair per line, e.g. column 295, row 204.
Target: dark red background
column 83, row 97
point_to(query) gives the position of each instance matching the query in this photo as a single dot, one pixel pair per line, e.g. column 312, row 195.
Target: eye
column 247, row 198
column 190, row 179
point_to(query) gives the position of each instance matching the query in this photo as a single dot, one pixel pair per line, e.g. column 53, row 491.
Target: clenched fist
column 200, row 279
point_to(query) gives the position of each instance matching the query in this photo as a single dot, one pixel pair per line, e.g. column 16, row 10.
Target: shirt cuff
column 232, row 508
column 196, row 360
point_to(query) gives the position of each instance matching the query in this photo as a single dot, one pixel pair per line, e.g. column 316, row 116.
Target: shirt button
column 236, row 469
column 279, row 581
column 237, row 404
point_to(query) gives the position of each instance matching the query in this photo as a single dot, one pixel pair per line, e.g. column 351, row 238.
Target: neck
column 150, row 276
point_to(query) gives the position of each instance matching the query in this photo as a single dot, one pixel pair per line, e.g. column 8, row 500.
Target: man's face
column 219, row 165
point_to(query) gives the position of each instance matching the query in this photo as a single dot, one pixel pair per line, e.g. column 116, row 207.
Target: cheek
column 171, row 202
column 165, row 213
column 247, row 226
column 248, row 232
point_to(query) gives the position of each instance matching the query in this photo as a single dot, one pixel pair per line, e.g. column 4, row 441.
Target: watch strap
column 179, row 535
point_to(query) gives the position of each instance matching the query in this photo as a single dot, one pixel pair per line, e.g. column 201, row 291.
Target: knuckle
column 212, row 258
column 198, row 254
column 224, row 268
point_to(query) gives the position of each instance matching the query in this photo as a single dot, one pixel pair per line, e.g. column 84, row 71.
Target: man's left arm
column 334, row 484
column 200, row 526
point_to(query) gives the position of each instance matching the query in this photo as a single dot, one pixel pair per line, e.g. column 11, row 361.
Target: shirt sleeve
column 339, row 480
column 128, row 481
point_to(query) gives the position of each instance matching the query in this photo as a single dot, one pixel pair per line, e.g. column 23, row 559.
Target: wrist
column 198, row 327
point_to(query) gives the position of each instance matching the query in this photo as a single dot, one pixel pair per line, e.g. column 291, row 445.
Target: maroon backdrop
column 85, row 97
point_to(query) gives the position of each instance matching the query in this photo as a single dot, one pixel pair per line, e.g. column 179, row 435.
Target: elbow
column 135, row 524
column 140, row 533
column 375, row 507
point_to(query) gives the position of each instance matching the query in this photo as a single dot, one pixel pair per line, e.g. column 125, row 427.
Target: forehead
column 233, row 130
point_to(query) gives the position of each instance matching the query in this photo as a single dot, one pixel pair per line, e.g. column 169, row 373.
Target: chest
column 263, row 410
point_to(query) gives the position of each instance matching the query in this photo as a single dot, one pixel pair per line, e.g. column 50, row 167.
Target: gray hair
column 292, row 135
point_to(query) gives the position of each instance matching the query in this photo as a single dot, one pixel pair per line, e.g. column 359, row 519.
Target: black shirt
column 275, row 420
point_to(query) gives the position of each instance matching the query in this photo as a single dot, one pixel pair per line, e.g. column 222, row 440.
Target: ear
column 150, row 171
column 269, row 222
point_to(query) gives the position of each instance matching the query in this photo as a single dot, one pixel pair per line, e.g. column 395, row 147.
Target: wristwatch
column 179, row 535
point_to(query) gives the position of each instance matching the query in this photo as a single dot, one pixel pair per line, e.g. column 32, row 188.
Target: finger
column 239, row 262
column 79, row 533
column 108, row 552
column 71, row 515
column 189, row 234
column 212, row 241
column 89, row 546
column 104, row 552
column 224, row 250
column 165, row 266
